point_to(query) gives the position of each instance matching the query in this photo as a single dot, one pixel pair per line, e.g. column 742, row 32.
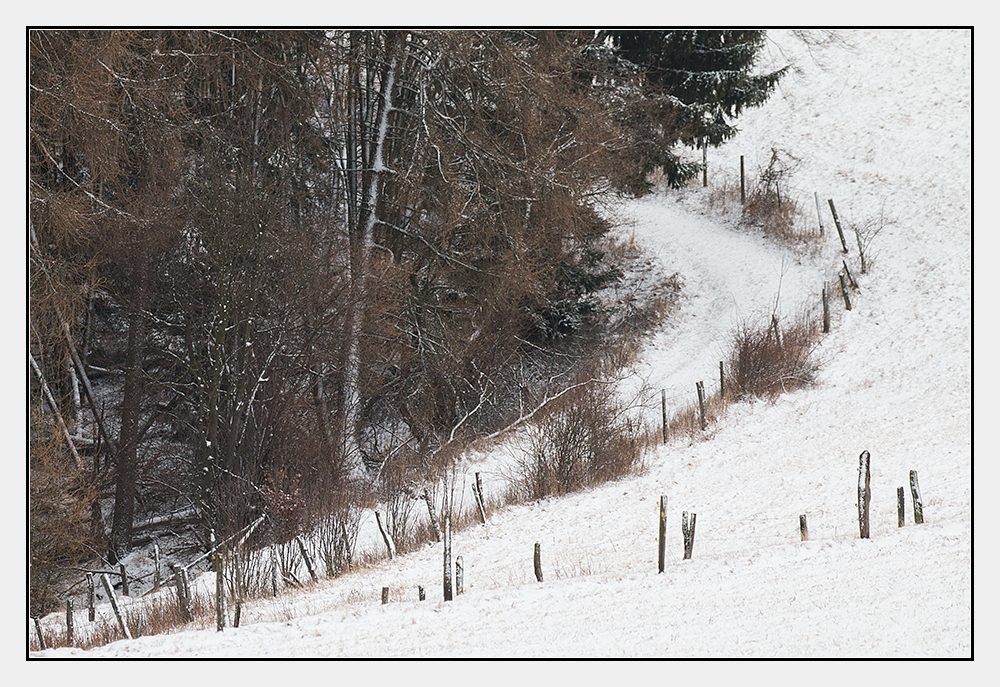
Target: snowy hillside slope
column 882, row 117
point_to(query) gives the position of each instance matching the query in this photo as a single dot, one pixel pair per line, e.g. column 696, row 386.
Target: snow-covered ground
column 878, row 119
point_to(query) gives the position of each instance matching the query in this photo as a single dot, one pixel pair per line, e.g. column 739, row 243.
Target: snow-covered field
column 879, row 118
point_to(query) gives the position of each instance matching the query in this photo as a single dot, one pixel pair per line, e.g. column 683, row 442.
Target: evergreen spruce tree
column 691, row 86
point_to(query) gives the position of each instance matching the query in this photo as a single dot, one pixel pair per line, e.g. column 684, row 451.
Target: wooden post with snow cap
column 918, row 503
column 538, row 561
column 864, row 493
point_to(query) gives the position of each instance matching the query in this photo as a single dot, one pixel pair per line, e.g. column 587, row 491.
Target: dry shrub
column 58, row 516
column 765, row 361
column 589, row 437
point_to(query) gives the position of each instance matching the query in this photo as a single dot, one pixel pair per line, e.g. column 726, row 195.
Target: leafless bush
column 588, row 438
column 765, row 361
column 766, row 208
column 866, row 231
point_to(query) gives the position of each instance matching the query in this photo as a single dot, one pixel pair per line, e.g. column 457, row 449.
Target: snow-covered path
column 883, row 116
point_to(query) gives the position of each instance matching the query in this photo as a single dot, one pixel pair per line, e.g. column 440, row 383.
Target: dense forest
column 274, row 275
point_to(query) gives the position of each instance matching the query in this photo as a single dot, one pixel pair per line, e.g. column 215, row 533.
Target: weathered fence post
column 124, row 576
column 538, row 561
column 434, row 522
column 743, row 188
column 183, row 596
column 826, row 308
column 918, row 503
column 722, row 380
column 819, row 213
column 239, row 610
column 663, row 406
column 69, row 621
column 447, row 558
column 662, row 550
column 459, row 576
column 421, row 594
column 106, row 581
column 700, row 386
column 803, row 528
column 385, row 595
column 308, row 560
column 843, row 290
column 850, row 277
column 900, row 506
column 90, row 597
column 836, row 221
column 385, row 537
column 687, row 528
column 864, row 493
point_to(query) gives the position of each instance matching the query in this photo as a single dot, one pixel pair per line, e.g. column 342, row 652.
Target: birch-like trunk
column 361, row 249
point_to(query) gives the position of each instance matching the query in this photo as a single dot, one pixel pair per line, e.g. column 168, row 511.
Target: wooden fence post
column 743, row 189
column 385, row 537
column 819, row 213
column 90, row 597
column 700, row 387
column 538, row 561
column 850, row 277
column 447, row 558
column 434, row 522
column 864, row 493
column 918, row 503
column 826, row 308
column 106, row 581
column 459, row 576
column 421, row 594
column 803, row 528
column 239, row 610
column 124, row 576
column 663, row 407
column 385, row 595
column 183, row 594
column 662, row 550
column 722, row 380
column 687, row 527
column 836, row 221
column 69, row 621
column 843, row 290
column 900, row 506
